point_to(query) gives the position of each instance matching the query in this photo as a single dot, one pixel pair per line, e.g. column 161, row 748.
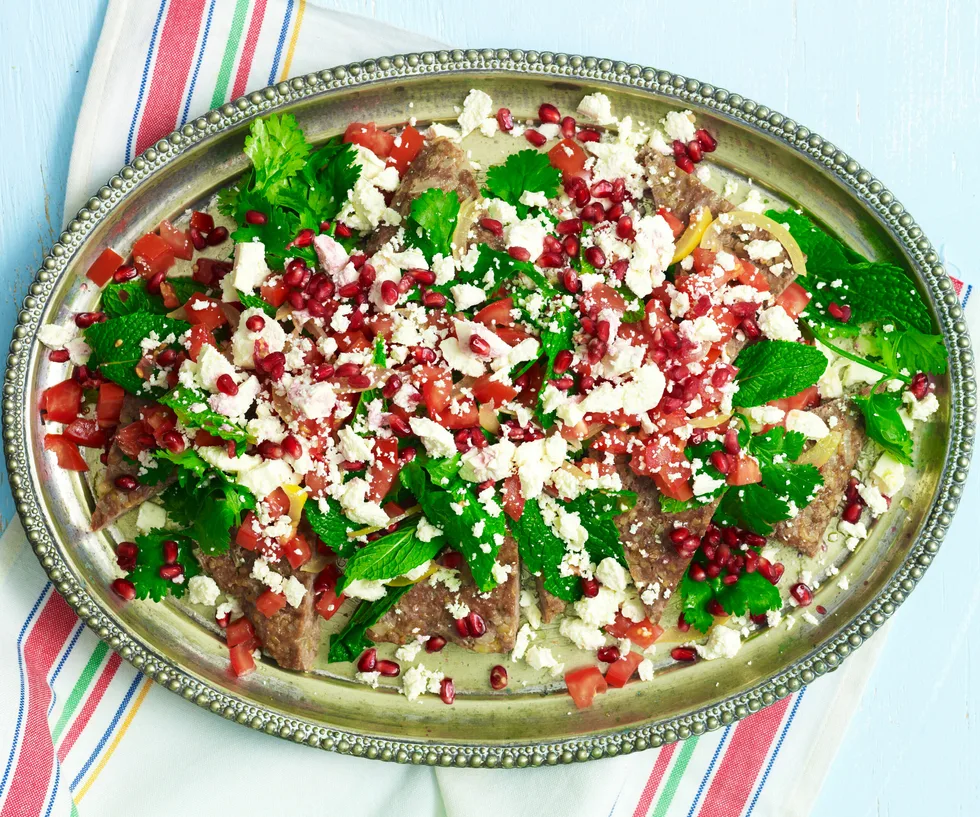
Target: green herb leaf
column 250, row 301
column 774, row 369
column 131, row 297
column 750, row 595
column 911, row 351
column 350, row 642
column 432, row 222
column 752, row 507
column 330, row 525
column 527, row 170
column 187, row 404
column 278, row 150
column 116, row 348
column 695, row 597
column 390, row 556
column 145, row 576
column 541, row 552
column 884, row 425
column 465, row 523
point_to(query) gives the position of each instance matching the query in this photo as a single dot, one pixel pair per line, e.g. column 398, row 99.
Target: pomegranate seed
column 582, row 195
column 505, row 120
column 563, row 360
column 679, row 148
column 550, row 260
column 173, row 441
column 399, row 425
column 695, row 151
column 715, row 608
column 434, row 299
column 125, row 482
column 679, row 535
column 568, row 127
column 750, row 328
column 435, row 643
column 303, row 238
column 587, row 135
column 170, row 551
column 706, row 140
column 83, row 320
column 586, row 383
column 126, row 553
column 270, row 450
column 602, row 189
column 423, row 354
column 919, row 385
column 683, row 654
column 685, row 164
column 519, row 253
column 447, row 691
column 697, row 573
column 226, row 385
column 423, row 276
column 391, row 387
column 124, row 588
column 754, row 540
column 682, row 624
column 322, row 372
column 297, row 273
column 594, row 213
column 842, row 313
column 590, row 587
column 127, row 272
column 536, row 138
column 219, row 235
column 549, row 113
column 255, row 323
column 596, row 257
column 475, row 624
column 569, row 226
column 624, row 227
column 498, row 676
column 479, row 345
column 297, row 300
column 802, row 593
column 608, row 655
column 197, row 238
column 171, row 572
column 719, row 459
column 389, row 669
column 256, row 217
column 167, row 357
column 596, row 350
column 368, row 660
column 563, row 383
column 570, row 244
column 348, row 369
column 492, row 226
column 462, row 628
column 359, row 381
column 821, row 609
column 365, row 277
column 389, row 292
column 603, row 330
column 569, row 280
column 292, row 447
column 59, row 356
column 702, row 306
column 852, row 513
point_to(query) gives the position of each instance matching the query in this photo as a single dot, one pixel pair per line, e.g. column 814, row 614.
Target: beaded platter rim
column 672, row 87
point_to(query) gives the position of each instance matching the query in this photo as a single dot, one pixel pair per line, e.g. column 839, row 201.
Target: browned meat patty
column 441, row 164
column 681, row 193
column 550, row 605
column 806, row 531
column 291, row 636
column 644, row 531
column 422, row 610
column 113, row 502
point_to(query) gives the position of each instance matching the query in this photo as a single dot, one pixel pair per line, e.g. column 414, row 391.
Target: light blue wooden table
column 897, row 85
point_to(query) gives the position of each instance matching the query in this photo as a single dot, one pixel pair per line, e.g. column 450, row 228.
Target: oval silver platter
column 533, row 721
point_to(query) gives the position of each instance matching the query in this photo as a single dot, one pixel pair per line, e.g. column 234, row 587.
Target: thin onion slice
column 401, row 581
column 415, row 509
column 488, row 418
column 712, row 236
column 689, row 239
column 822, row 450
column 709, row 422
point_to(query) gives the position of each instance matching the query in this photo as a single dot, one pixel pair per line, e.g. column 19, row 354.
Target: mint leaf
column 250, row 301
column 912, row 351
column 350, row 642
column 527, row 170
column 116, row 349
column 330, row 525
column 145, row 576
column 596, row 511
column 278, row 150
column 432, row 222
column 442, row 470
column 884, row 425
column 465, row 523
column 390, row 556
column 541, row 552
column 774, row 369
column 187, row 404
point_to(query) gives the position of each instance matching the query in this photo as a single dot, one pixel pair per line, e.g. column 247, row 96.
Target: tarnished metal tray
column 533, row 722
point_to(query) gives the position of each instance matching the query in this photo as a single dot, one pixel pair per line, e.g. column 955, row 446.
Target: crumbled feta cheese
column 922, row 409
column 249, row 270
column 776, row 324
column 596, row 107
column 438, row 441
column 203, row 590
column 356, row 507
column 467, row 295
column 601, row 609
column 888, row 474
column 723, row 642
column 872, row 497
column 810, row 425
column 645, row 670
column 542, row 658
column 477, row 107
column 366, row 590
column 760, row 250
column 266, row 477
column 408, row 652
column 582, row 635
column 417, row 680
column 525, row 635
column 150, row 516
column 294, row 591
column 679, row 125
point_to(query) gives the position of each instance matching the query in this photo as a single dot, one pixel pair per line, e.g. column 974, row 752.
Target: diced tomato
column 806, row 399
column 202, row 221
column 657, row 316
column 206, row 438
column 158, row 419
column 274, row 292
column 108, row 408
column 129, row 438
column 676, row 487
column 794, row 300
column 178, row 240
column 325, row 587
column 436, row 384
column 569, row 158
column 704, row 264
column 675, row 224
column 513, row 497
column 63, row 401
column 461, row 414
column 622, row 670
column 619, row 627
column 169, row 295
column 366, row 134
column 583, row 685
column 745, row 471
column 270, row 603
column 381, row 326
column 69, row 457
column 668, row 422
column 247, row 536
column 663, row 460
column 86, row 433
column 488, row 390
column 405, row 148
column 603, row 296
column 242, row 660
column 152, row 255
column 105, row 265
column 496, row 313
column 298, row 551
column 511, row 335
column 384, row 468
column 644, row 633
column 354, row 341
column 277, row 503
column 750, row 275
column 204, row 311
column 200, row 335
column 210, row 271
column 239, row 631
column 611, row 440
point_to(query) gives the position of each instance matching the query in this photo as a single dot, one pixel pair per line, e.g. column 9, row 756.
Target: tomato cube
column 204, row 311
column 496, row 313
column 152, row 255
column 239, row 631
column 569, row 158
column 583, row 685
column 298, row 551
column 793, row 299
column 619, row 627
column 274, row 291
column 622, row 670
column 105, row 265
column 328, row 603
column 202, row 221
column 178, row 240
column 69, row 457
column 404, row 149
column 488, row 390
column 63, row 401
column 513, row 498
column 644, row 633
column 366, row 134
column 200, row 335
column 248, row 536
column 242, row 660
column 270, row 603
column 86, row 433
column 108, row 408
column 384, row 468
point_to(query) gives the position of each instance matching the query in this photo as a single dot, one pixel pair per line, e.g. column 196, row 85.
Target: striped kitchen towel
column 84, row 734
